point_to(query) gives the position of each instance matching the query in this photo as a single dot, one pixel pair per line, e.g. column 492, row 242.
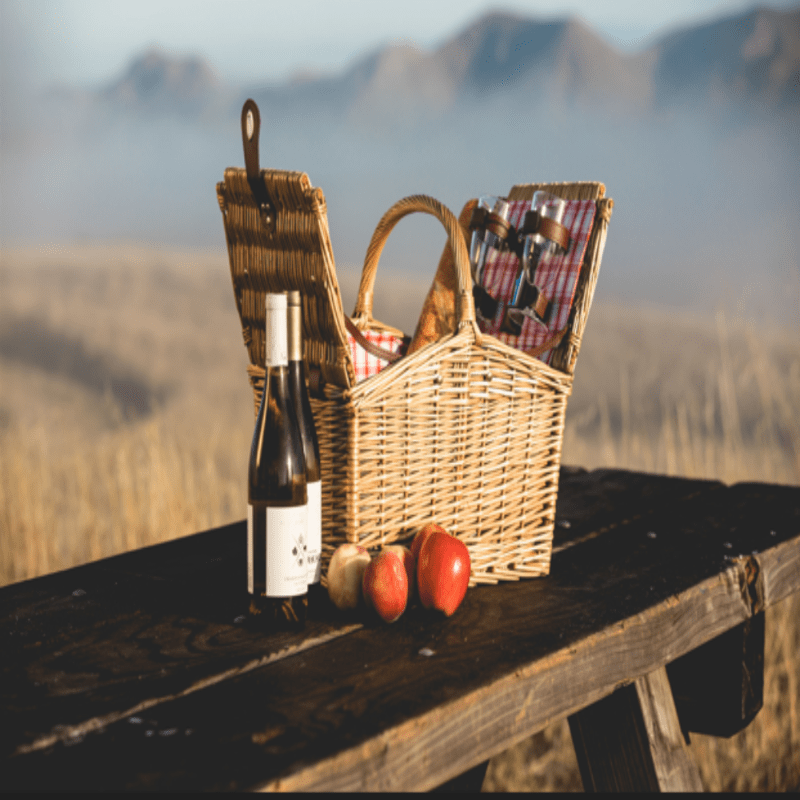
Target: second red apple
column 385, row 585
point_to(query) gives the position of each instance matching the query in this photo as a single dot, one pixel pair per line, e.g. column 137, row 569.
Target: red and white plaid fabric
column 366, row 364
column 556, row 276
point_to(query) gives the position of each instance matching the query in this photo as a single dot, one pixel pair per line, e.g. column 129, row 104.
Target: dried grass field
column 126, row 414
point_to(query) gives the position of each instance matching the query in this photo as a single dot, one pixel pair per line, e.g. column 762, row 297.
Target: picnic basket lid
column 276, row 229
column 565, row 354
column 438, row 319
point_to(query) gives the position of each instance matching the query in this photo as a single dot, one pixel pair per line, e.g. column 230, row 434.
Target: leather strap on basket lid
column 251, row 129
column 465, row 309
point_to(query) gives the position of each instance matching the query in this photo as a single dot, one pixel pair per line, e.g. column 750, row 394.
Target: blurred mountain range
column 752, row 60
column 697, row 138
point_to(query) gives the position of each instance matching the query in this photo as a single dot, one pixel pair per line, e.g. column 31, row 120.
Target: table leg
column 632, row 741
column 719, row 687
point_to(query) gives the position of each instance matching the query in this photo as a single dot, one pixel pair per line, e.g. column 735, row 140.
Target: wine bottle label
column 277, row 550
column 314, row 531
column 287, row 551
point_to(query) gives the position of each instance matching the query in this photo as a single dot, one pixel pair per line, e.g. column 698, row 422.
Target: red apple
column 345, row 573
column 385, row 585
column 443, row 569
column 409, row 562
column 422, row 535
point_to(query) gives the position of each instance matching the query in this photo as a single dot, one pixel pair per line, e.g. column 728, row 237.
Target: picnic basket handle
column 465, row 308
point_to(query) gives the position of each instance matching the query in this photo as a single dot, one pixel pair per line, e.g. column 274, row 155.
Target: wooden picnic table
column 142, row 671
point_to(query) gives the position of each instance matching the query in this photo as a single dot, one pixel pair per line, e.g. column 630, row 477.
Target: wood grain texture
column 675, row 771
column 593, row 503
column 374, row 713
column 367, row 708
column 779, row 571
column 100, row 642
column 631, row 741
column 86, row 646
column 469, row 781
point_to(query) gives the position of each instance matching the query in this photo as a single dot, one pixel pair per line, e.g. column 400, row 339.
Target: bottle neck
column 278, row 377
column 295, row 332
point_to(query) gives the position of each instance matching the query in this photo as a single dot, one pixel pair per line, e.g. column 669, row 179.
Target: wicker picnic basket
column 465, row 431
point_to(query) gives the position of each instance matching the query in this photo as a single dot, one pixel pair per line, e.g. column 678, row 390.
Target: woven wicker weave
column 466, row 431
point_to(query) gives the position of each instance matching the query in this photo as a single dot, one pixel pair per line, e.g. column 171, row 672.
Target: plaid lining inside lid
column 365, row 364
column 556, row 276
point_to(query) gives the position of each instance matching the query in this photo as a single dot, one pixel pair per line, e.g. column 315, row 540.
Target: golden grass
column 139, row 431
column 133, row 488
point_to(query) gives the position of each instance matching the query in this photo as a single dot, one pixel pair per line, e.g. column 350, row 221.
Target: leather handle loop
column 483, row 218
column 465, row 309
column 251, row 129
column 371, row 347
column 534, row 222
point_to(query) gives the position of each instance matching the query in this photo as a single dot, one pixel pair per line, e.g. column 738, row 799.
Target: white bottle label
column 314, row 531
column 277, row 553
column 287, row 563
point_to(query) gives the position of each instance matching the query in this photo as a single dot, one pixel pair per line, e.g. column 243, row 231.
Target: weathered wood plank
column 631, row 741
column 367, row 710
column 350, row 718
column 675, row 771
column 766, row 524
column 513, row 658
column 100, row 642
column 469, row 781
column 779, row 571
column 103, row 641
column 593, row 503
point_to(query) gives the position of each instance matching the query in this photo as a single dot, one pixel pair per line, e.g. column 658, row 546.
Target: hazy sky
column 88, row 42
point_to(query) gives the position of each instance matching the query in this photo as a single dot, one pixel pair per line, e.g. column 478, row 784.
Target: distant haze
column 697, row 139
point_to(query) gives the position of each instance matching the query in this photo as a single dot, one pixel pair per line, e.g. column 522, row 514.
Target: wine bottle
column 308, row 433
column 277, row 570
